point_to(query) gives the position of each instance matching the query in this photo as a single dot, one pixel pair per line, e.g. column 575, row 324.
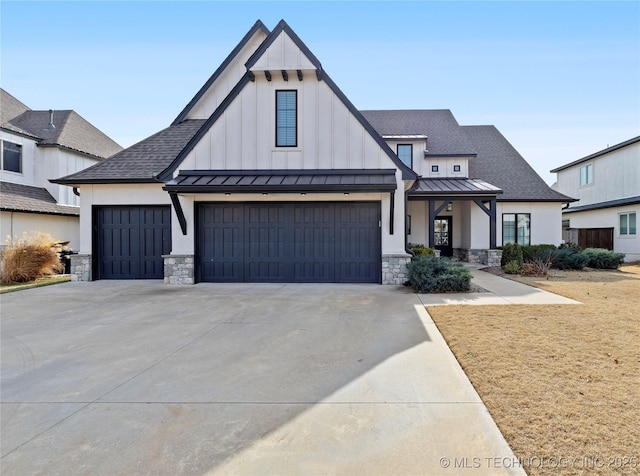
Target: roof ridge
column 257, row 26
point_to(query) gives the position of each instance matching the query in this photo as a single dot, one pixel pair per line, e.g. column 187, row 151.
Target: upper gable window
column 586, row 175
column 286, row 118
column 457, row 168
column 405, row 154
column 11, row 157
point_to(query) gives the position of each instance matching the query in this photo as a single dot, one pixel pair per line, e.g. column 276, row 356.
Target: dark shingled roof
column 443, row 131
column 140, row 162
column 71, row 130
column 501, row 165
column 25, row 198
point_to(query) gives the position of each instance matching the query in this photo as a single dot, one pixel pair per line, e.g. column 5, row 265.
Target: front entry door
column 442, row 236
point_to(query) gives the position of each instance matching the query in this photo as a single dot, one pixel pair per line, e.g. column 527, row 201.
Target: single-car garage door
column 130, row 241
column 289, row 242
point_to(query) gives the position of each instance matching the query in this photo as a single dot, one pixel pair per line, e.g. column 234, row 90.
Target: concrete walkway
column 119, row 378
column 500, row 291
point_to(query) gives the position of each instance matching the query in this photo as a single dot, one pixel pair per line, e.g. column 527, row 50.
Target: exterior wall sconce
column 303, row 194
column 264, row 194
column 449, row 206
column 227, row 194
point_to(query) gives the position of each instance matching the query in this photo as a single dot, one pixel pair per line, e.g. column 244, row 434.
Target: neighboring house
column 271, row 174
column 607, row 184
column 37, row 146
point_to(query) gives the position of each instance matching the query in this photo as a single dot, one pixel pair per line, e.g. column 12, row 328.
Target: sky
column 559, row 79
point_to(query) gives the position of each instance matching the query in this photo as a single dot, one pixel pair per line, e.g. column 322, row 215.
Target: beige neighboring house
column 607, row 184
column 37, row 146
column 271, row 174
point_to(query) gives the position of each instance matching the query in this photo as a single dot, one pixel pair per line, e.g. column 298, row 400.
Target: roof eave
column 597, row 154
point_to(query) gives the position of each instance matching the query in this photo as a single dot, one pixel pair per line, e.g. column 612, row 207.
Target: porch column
column 492, row 225
column 491, row 212
column 432, row 226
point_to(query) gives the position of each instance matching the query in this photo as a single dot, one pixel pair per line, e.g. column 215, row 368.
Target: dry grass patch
column 560, row 381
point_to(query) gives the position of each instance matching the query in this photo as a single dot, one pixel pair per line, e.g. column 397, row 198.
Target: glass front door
column 442, row 236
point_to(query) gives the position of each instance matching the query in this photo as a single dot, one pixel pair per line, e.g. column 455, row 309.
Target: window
column 434, row 168
column 516, row 228
column 405, row 154
column 286, row 118
column 586, row 175
column 628, row 224
column 456, row 168
column 11, row 157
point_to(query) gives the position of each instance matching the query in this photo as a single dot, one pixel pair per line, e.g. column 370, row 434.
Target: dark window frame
column 280, row 141
column 435, row 169
column 457, row 168
column 410, row 146
column 18, row 150
column 526, row 238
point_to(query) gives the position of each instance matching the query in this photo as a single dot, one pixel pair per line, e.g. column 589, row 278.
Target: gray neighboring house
column 271, row 174
column 607, row 184
column 37, row 146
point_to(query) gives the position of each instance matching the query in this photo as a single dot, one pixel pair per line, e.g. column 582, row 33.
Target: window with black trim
column 456, row 168
column 11, row 157
column 516, row 228
column 434, row 168
column 405, row 154
column 286, row 118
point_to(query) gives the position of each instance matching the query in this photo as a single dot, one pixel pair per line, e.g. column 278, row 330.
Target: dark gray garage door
column 289, row 242
column 130, row 241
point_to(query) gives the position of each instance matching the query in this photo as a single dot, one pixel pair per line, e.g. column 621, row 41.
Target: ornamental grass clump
column 31, row 256
column 429, row 274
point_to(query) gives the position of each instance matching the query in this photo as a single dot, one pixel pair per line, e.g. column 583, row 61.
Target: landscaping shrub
column 31, row 256
column 512, row 267
column 532, row 253
column 429, row 274
column 511, row 252
column 573, row 246
column 603, row 259
column 569, row 258
column 421, row 250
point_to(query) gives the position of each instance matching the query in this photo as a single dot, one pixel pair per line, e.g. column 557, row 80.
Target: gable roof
column 500, row 164
column 28, row 199
column 71, row 130
column 597, row 154
column 407, row 173
column 258, row 26
column 444, row 135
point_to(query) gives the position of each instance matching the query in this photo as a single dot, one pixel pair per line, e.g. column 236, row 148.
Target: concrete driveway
column 116, row 377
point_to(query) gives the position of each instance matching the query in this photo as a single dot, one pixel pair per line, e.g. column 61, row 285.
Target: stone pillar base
column 81, row 266
column 394, row 268
column 178, row 269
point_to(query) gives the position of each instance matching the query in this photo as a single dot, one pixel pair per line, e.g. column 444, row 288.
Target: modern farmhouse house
column 38, row 146
column 271, row 174
column 608, row 186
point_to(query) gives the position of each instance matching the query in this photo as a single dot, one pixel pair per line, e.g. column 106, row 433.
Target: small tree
column 29, row 257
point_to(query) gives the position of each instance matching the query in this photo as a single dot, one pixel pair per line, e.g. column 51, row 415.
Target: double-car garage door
column 247, row 242
column 289, row 242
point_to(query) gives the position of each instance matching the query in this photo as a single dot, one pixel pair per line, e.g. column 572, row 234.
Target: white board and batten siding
column 226, row 81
